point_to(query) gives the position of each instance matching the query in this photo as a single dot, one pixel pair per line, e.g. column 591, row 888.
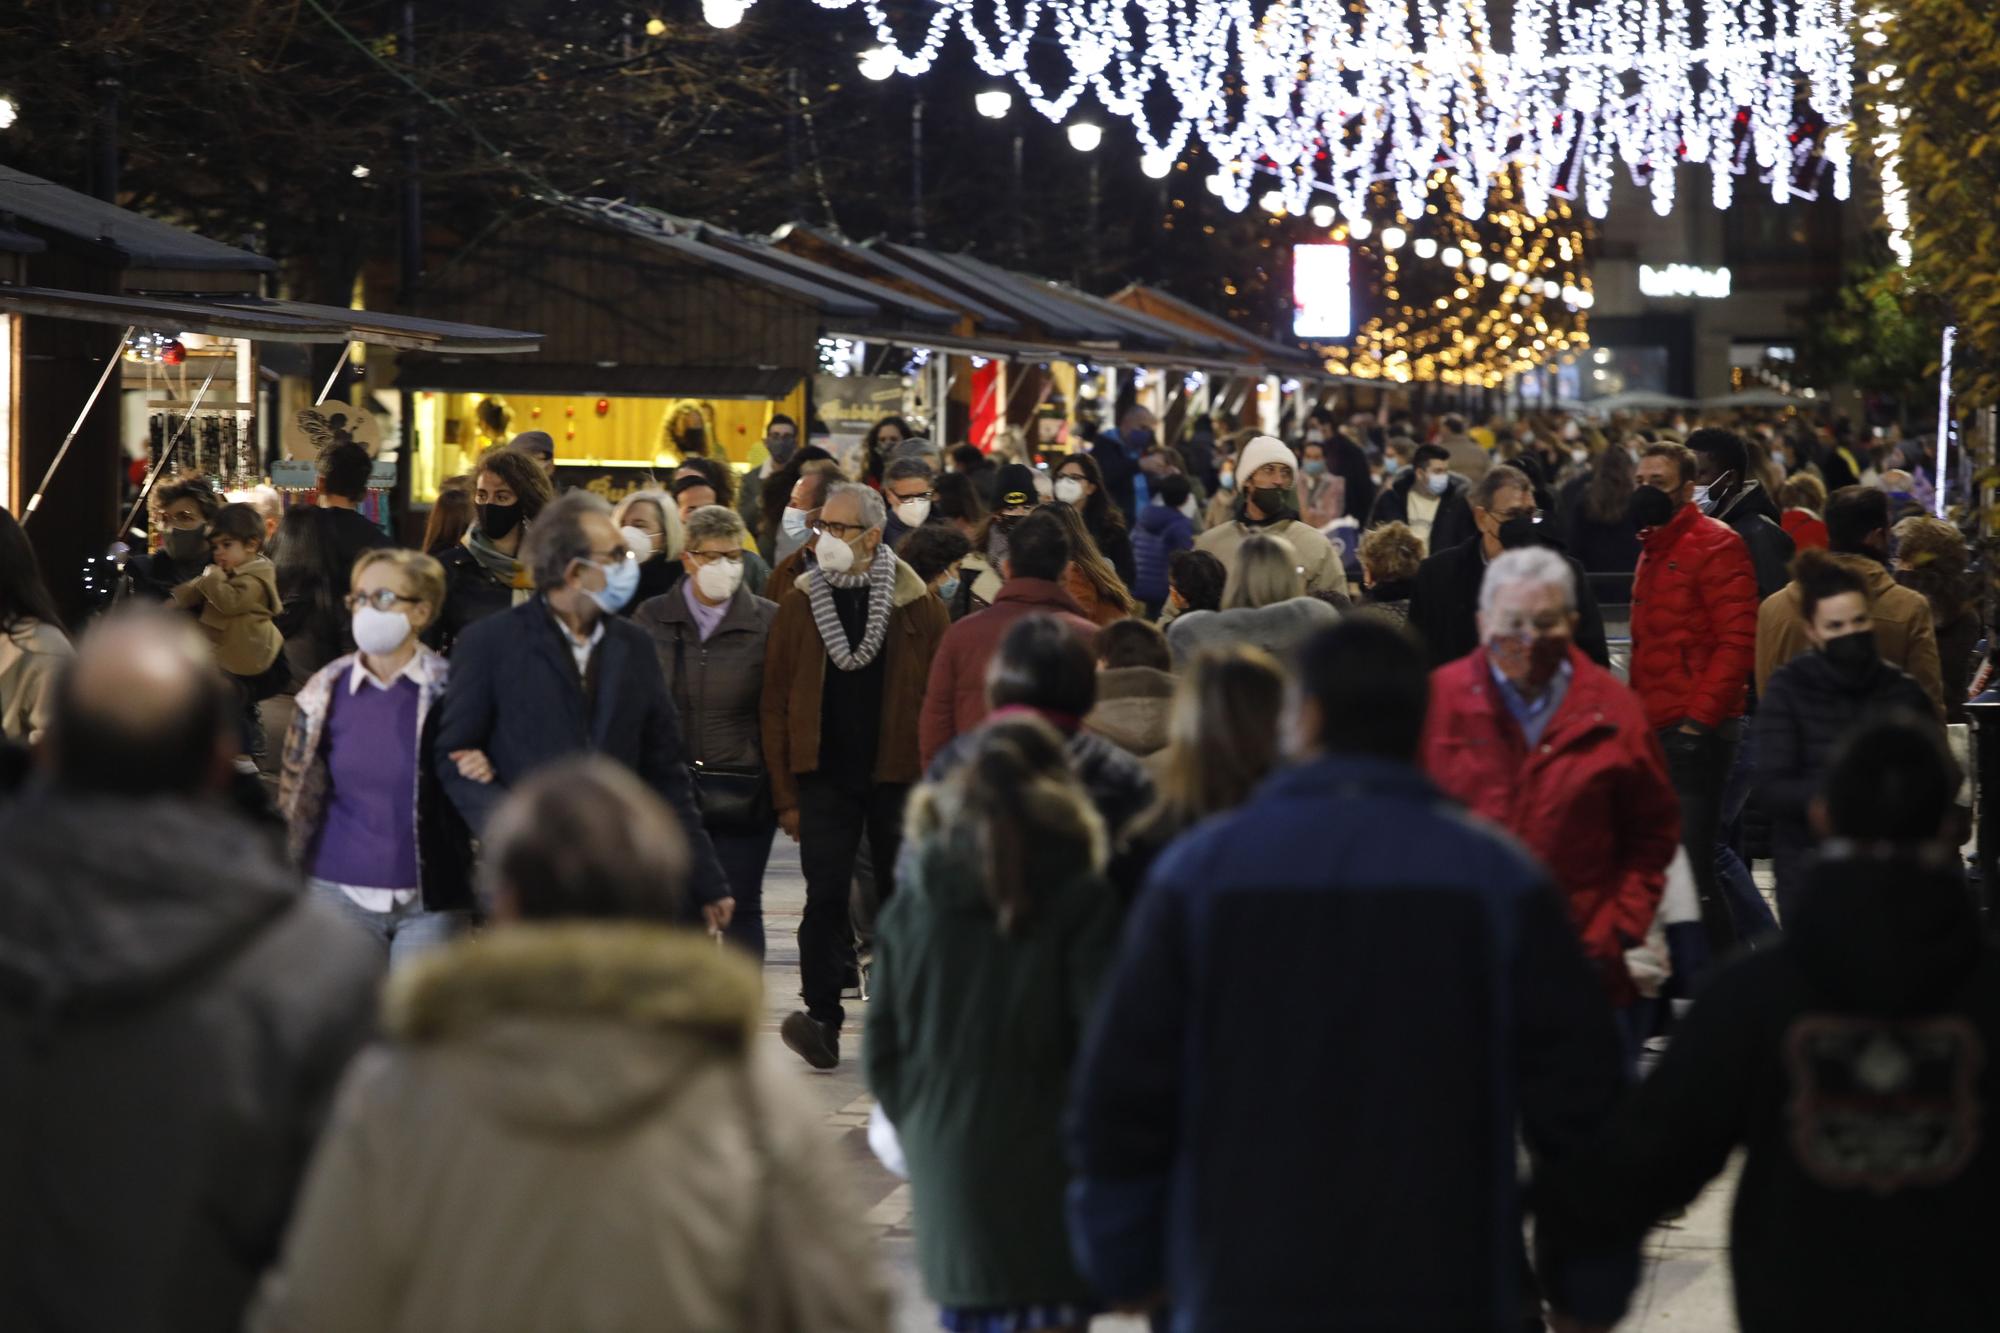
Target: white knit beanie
column 1261, row 451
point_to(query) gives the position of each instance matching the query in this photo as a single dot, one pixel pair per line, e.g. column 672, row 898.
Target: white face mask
column 1579, row 456
column 641, row 542
column 794, row 522
column 913, row 513
column 1069, row 490
column 719, row 580
column 834, row 555
column 379, row 633
column 1436, row 482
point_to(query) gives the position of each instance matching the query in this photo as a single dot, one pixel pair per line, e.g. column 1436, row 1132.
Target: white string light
column 1338, row 95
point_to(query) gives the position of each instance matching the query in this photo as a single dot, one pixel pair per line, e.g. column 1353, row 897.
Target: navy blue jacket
column 1161, row 532
column 1296, row 1107
column 514, row 693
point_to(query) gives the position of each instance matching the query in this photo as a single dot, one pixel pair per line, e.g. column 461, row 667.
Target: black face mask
column 1650, row 507
column 496, row 521
column 1519, row 531
column 1852, row 654
column 694, row 442
column 1274, row 502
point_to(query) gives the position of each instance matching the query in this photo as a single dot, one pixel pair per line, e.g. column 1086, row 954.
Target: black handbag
column 732, row 800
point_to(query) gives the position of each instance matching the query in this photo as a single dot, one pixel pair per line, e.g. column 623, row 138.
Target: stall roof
column 755, row 383
column 1166, row 307
column 142, row 242
column 763, row 252
column 875, row 259
column 20, row 243
column 267, row 321
column 1054, row 316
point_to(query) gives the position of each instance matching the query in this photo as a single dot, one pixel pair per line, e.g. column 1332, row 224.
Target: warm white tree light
column 1085, row 136
column 877, row 63
column 994, row 103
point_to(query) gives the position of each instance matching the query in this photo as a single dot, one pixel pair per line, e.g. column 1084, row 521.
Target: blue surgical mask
column 948, row 588
column 1228, row 481
column 794, row 522
column 1315, row 467
column 1391, row 466
column 621, row 580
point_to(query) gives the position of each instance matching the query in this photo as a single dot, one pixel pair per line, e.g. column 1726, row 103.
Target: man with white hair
column 1267, row 480
column 1532, row 734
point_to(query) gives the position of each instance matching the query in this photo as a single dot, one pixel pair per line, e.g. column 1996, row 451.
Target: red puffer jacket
column 1591, row 801
column 1694, row 622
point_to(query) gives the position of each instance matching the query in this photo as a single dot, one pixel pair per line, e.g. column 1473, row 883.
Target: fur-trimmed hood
column 577, row 1025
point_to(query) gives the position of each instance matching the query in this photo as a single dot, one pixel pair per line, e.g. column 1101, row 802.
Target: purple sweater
column 369, row 839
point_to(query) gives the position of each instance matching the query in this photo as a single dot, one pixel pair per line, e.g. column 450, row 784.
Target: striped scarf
column 880, row 580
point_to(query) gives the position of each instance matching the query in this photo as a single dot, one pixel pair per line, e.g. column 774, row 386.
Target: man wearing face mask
column 1857, row 526
column 844, row 674
column 1724, row 489
column 1694, row 616
column 1118, row 453
column 781, row 442
column 1267, row 484
column 909, row 488
column 1533, row 735
column 564, row 673
column 1429, row 499
column 1444, row 605
column 795, row 534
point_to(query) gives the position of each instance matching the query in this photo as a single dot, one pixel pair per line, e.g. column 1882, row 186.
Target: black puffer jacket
column 1853, row 1062
column 1452, row 523
column 1809, row 705
column 1756, row 520
column 470, row 595
column 174, row 1016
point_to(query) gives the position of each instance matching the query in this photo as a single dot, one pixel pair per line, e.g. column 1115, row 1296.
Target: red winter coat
column 1592, row 800
column 955, row 697
column 1694, row 622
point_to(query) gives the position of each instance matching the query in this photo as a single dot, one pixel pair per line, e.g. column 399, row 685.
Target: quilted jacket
column 1694, row 622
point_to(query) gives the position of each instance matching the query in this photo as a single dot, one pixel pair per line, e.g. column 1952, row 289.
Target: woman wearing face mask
column 483, row 574
column 883, row 437
column 181, row 510
column 1080, row 484
column 710, row 633
column 1814, row 700
column 366, row 818
column 652, row 526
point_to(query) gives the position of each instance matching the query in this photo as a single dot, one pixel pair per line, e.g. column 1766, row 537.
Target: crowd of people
column 1243, row 848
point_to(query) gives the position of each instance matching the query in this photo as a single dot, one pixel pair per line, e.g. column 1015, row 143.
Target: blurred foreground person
column 1135, row 688
column 175, row 1012
column 1226, row 1163
column 1853, row 1060
column 570, row 1126
column 986, row 965
column 33, row 648
column 1535, row 736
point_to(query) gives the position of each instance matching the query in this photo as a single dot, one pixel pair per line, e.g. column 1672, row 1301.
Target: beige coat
column 575, row 1126
column 1904, row 633
column 237, row 611
column 31, row 655
column 1316, row 554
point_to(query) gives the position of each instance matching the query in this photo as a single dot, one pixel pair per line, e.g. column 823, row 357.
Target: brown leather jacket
column 795, row 680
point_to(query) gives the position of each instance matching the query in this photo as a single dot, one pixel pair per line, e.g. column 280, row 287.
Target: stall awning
column 267, row 321
column 754, row 383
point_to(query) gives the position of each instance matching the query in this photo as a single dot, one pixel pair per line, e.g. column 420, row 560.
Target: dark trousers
column 832, row 817
column 1752, row 914
column 1698, row 766
column 743, row 857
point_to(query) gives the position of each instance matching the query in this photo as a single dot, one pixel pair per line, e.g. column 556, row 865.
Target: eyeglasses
column 382, row 599
column 616, row 556
column 1532, row 515
column 917, row 495
column 1521, row 626
column 184, row 522
column 840, row 532
column 710, row 557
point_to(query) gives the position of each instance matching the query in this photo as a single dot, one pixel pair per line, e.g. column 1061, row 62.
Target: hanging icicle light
column 1401, row 91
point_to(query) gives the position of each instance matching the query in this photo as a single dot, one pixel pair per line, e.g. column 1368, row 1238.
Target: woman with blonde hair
column 1222, row 741
column 1264, row 604
column 366, row 818
column 1091, row 580
column 651, row 523
column 987, row 960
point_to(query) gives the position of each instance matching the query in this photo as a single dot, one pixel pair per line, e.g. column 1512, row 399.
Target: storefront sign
column 1684, row 280
column 850, row 404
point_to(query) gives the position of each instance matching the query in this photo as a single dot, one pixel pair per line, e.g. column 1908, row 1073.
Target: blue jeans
column 406, row 932
column 743, row 857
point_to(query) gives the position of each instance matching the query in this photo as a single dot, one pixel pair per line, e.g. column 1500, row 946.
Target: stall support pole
column 345, row 350
column 110, row 364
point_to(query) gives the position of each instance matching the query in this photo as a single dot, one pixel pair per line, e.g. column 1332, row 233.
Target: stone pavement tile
column 1690, row 1290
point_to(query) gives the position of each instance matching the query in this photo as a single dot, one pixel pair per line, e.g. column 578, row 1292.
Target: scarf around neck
column 880, row 580
column 495, row 561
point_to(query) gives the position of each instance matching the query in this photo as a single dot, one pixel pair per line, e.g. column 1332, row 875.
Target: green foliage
column 1878, row 332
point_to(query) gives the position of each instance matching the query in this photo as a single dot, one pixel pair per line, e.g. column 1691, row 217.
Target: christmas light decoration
column 1885, row 81
column 1340, row 95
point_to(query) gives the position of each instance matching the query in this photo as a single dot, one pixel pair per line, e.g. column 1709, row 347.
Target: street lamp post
column 917, row 167
column 994, row 104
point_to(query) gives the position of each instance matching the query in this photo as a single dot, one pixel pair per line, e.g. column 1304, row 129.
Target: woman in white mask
column 366, row 818
column 710, row 634
column 651, row 524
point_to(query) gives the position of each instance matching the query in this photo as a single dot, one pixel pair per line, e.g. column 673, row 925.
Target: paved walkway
column 1686, row 1285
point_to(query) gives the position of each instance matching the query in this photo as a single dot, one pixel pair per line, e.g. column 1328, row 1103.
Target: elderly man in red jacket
column 1694, row 645
column 1532, row 734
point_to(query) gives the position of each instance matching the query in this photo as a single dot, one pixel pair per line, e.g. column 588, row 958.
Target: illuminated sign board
column 1322, row 292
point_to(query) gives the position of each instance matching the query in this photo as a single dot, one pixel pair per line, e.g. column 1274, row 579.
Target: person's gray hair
column 556, row 539
column 714, row 521
column 1500, row 477
column 1535, row 566
column 908, row 469
column 1264, row 573
column 874, row 514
